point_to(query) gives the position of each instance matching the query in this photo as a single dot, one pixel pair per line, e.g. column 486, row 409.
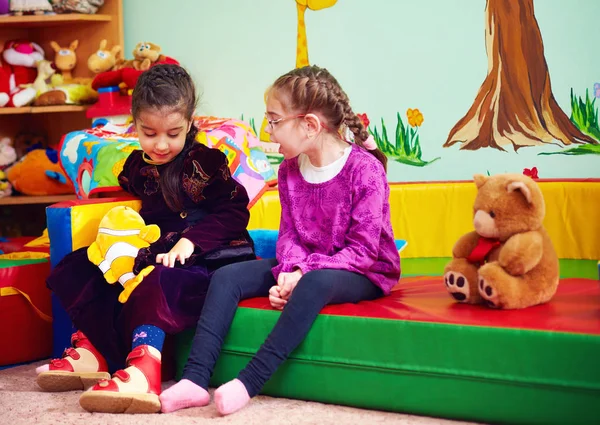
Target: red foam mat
column 575, row 307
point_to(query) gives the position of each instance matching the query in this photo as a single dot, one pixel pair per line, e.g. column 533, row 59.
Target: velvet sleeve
column 208, row 182
column 369, row 193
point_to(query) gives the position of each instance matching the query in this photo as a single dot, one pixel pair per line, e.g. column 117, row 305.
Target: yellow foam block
column 85, row 219
column 266, row 213
column 432, row 216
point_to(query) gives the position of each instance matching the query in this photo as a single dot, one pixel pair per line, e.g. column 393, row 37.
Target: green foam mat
column 473, row 373
column 586, row 269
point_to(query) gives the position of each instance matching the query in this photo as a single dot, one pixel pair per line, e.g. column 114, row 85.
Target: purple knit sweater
column 341, row 224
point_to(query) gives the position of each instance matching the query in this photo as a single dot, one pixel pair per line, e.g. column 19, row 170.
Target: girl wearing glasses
column 335, row 240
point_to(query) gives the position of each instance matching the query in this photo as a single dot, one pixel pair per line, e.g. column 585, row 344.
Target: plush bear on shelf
column 509, row 261
column 121, row 234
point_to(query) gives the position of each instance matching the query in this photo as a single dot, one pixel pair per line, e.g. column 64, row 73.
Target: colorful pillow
column 93, row 158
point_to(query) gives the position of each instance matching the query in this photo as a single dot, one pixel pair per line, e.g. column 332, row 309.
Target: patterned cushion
column 94, row 157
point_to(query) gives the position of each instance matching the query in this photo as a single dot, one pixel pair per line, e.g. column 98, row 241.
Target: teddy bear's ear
column 480, row 180
column 155, row 47
column 522, row 187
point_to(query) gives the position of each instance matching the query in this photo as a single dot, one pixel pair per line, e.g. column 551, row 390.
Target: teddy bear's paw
column 489, row 294
column 457, row 286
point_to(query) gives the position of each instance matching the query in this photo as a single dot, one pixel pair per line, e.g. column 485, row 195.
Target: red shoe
column 133, row 390
column 80, row 367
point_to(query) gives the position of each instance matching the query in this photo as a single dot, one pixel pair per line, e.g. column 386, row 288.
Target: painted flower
column 364, row 119
column 531, row 172
column 415, row 117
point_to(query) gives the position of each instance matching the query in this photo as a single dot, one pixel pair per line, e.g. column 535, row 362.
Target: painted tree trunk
column 515, row 105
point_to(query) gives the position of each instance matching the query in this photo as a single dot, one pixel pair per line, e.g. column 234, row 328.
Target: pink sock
column 231, row 397
column 182, row 395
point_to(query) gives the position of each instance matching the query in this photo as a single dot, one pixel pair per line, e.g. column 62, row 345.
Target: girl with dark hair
column 187, row 190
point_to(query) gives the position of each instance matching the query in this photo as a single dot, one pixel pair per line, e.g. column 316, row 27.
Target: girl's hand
column 182, row 250
column 287, row 282
column 275, row 299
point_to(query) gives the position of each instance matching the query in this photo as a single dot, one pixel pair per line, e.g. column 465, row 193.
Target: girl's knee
column 225, row 272
column 224, row 278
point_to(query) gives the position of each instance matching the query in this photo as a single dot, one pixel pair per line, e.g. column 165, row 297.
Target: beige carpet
column 21, row 402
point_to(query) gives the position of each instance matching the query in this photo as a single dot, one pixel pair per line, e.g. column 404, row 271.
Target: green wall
column 388, row 55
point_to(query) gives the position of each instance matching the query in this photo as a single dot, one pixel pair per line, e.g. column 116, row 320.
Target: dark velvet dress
column 215, row 219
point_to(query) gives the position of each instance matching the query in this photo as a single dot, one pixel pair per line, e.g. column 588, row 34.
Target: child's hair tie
column 370, row 144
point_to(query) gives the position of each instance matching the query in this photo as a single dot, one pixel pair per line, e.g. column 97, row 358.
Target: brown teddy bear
column 509, row 260
column 145, row 55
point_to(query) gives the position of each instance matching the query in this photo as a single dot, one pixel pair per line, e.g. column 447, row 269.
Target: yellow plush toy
column 121, row 234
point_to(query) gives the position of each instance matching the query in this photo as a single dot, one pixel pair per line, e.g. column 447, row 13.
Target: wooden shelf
column 30, row 21
column 43, row 109
column 29, row 200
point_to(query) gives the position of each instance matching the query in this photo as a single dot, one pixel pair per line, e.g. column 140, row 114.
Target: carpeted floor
column 21, row 402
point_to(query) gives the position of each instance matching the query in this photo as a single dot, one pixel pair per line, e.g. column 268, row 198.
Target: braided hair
column 312, row 89
column 168, row 88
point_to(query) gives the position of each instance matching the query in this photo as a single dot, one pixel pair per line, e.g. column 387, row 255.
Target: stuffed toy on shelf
column 122, row 232
column 5, row 186
column 18, row 69
column 508, row 261
column 37, row 7
column 65, row 89
column 45, row 70
column 77, row 6
column 103, row 60
column 39, row 173
column 65, row 59
column 8, row 154
column 125, row 74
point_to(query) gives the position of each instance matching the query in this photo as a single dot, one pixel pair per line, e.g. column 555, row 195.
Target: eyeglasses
column 271, row 123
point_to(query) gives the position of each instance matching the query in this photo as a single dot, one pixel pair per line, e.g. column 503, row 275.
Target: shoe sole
column 57, row 381
column 114, row 402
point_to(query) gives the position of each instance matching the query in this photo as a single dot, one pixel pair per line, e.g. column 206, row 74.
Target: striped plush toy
column 121, row 234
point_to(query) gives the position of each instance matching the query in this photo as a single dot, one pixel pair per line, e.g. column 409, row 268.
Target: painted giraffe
column 301, row 42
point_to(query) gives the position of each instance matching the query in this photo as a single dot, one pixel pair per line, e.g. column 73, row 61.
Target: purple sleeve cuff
column 304, row 267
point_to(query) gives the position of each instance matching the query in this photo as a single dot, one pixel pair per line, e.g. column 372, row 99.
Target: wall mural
column 513, row 109
column 515, row 106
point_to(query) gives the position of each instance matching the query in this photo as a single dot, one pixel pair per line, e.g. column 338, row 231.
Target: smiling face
column 162, row 133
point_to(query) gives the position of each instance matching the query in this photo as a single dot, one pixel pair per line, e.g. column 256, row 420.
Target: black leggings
column 235, row 282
